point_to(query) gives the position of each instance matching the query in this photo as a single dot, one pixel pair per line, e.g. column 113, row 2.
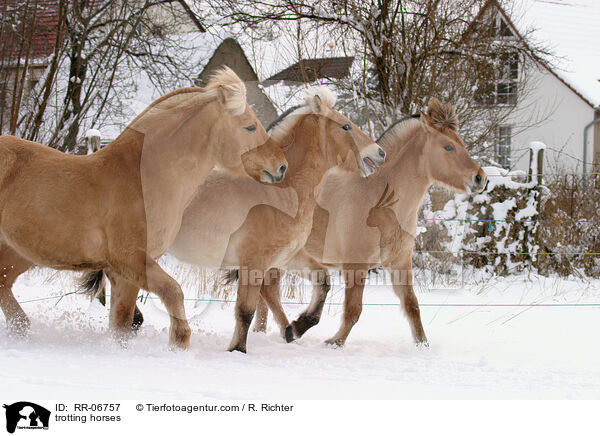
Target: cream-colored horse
column 120, row 208
column 234, row 223
column 365, row 223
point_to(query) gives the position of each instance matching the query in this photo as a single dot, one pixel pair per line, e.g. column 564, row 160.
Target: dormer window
column 500, row 27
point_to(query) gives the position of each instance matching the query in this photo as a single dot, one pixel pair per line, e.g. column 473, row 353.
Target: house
column 309, row 70
column 33, row 35
column 230, row 53
column 561, row 106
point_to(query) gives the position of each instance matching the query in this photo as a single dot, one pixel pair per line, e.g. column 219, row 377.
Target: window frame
column 503, row 146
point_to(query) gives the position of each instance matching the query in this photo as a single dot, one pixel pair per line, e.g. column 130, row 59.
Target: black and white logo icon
column 26, row 415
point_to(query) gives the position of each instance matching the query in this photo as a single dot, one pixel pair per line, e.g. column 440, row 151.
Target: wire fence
column 144, row 298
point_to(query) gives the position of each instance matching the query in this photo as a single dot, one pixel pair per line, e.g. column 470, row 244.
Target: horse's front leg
column 271, row 298
column 402, row 281
column 319, row 277
column 141, row 271
column 356, row 276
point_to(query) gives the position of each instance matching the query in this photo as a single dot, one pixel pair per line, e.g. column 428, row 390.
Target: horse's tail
column 231, row 276
column 91, row 283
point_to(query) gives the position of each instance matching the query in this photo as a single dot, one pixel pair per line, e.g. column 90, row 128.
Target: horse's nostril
column 382, row 153
column 478, row 179
column 282, row 169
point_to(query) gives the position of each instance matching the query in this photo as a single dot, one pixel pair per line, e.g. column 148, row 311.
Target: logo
column 26, row 415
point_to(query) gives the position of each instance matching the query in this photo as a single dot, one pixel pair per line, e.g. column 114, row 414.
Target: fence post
column 536, row 163
column 92, row 140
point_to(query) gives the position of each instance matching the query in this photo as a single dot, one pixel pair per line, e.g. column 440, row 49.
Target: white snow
column 476, row 352
column 93, row 133
column 537, row 146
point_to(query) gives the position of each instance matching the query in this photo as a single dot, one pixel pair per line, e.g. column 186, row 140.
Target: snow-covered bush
column 496, row 230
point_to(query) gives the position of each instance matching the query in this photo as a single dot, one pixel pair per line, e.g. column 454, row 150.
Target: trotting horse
column 236, row 223
column 119, row 209
column 379, row 230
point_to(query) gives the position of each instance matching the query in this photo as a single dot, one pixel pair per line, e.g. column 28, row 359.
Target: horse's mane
column 283, row 125
column 191, row 97
column 397, row 133
column 281, row 117
column 442, row 115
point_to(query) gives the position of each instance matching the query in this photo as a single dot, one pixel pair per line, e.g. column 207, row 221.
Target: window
column 503, row 91
column 501, row 28
column 503, row 145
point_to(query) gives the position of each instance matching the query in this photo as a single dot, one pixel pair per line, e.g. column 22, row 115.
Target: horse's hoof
column 138, row 320
column 239, row 348
column 19, row 328
column 303, row 323
column 179, row 335
column 289, row 334
column 335, row 343
column 422, row 345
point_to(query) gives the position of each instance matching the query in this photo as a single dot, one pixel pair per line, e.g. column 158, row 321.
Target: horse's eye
column 251, row 128
column 448, row 148
column 347, row 127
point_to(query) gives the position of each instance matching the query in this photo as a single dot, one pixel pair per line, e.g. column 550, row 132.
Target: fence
column 522, row 222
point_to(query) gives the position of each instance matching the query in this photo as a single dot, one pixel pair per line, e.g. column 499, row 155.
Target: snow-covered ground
column 476, row 352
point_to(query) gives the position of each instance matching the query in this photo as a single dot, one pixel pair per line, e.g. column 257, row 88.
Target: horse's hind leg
column 12, row 266
column 262, row 313
column 138, row 317
column 355, row 285
column 122, row 305
column 245, row 306
column 143, row 272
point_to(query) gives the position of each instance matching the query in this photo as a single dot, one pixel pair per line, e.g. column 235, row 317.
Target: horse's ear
column 315, row 104
column 222, row 95
column 426, row 120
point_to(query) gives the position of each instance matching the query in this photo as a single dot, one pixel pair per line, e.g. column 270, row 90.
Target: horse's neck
column 406, row 176
column 170, row 158
column 307, row 167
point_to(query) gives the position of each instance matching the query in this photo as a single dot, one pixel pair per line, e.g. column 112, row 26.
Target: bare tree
column 408, row 51
column 87, row 70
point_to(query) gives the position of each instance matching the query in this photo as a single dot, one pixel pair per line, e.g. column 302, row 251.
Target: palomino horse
column 359, row 235
column 236, row 223
column 120, row 208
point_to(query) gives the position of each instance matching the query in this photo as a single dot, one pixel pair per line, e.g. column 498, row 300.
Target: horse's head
column 338, row 140
column 241, row 140
column 344, row 138
column 446, row 159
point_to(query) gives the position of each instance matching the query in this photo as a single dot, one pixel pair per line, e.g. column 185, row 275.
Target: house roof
column 45, row 23
column 192, row 15
column 321, row 68
column 570, row 29
column 44, row 31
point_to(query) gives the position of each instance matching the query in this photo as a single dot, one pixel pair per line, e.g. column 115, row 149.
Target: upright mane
column 397, row 133
column 224, row 80
column 442, row 115
column 282, row 126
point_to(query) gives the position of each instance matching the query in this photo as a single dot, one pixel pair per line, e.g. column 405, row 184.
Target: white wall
column 556, row 116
